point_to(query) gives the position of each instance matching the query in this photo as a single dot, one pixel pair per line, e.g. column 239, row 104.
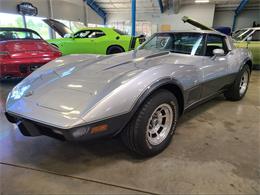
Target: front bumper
column 104, row 128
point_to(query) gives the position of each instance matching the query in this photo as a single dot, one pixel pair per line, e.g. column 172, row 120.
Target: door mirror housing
column 218, row 52
column 249, row 38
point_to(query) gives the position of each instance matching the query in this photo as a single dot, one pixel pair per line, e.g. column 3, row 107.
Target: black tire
column 114, row 49
column 234, row 93
column 135, row 135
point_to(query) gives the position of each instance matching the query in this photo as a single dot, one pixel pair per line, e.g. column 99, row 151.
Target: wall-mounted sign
column 26, row 8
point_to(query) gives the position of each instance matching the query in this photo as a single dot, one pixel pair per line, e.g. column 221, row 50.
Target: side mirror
column 139, row 47
column 218, row 52
column 249, row 38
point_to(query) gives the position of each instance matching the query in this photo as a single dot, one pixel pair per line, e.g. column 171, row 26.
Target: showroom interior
column 129, row 97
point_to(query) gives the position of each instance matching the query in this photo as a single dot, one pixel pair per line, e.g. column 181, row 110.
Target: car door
column 254, row 46
column 81, row 43
column 214, row 68
column 89, row 41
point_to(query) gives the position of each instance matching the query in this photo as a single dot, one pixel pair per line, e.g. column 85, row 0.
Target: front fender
column 129, row 94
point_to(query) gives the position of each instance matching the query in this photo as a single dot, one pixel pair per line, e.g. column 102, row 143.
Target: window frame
column 253, row 35
column 90, row 32
column 156, row 34
column 224, row 42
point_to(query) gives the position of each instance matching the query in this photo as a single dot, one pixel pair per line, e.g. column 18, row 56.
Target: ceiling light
column 201, row 1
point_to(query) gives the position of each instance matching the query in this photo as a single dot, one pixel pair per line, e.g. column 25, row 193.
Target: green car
column 249, row 38
column 99, row 40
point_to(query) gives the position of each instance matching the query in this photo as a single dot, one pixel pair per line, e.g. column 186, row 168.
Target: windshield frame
column 243, row 31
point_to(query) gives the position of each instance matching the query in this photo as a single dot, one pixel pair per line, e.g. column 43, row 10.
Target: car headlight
column 18, row 91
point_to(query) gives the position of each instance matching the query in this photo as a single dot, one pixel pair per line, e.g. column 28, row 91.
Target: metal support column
column 133, row 17
column 24, row 21
column 161, row 6
column 239, row 9
column 50, row 7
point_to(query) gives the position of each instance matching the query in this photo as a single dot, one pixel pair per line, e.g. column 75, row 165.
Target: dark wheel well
column 176, row 91
column 250, row 64
column 178, row 94
column 115, row 46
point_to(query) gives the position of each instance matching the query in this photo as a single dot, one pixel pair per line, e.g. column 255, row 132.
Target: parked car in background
column 249, row 38
column 92, row 40
column 22, row 51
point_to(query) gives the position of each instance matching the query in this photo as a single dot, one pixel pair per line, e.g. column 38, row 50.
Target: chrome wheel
column 159, row 124
column 243, row 83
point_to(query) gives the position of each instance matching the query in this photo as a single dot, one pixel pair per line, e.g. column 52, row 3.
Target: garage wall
column 202, row 13
column 245, row 19
column 62, row 9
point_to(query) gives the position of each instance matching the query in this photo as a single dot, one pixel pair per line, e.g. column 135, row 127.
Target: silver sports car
column 139, row 95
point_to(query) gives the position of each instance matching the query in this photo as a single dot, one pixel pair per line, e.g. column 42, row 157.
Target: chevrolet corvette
column 139, row 95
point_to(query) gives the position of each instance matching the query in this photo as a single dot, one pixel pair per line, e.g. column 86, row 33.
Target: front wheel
column 151, row 130
column 240, row 86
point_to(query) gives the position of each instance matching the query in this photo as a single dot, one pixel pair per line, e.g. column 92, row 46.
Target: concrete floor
column 216, row 150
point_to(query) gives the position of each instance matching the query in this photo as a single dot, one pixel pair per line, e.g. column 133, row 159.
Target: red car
column 22, row 51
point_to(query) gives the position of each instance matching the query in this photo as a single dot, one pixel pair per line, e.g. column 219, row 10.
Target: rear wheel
column 240, row 86
column 114, row 49
column 152, row 128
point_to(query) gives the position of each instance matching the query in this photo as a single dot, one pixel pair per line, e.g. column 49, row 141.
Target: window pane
column 256, row 36
column 36, row 24
column 214, row 42
column 186, row 43
column 18, row 35
column 14, row 20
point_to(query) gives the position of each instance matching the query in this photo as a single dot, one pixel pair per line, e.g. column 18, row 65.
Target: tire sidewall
column 157, row 99
column 113, row 48
column 245, row 68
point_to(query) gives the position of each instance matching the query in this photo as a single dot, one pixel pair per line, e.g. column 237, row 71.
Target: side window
column 256, row 36
column 188, row 43
column 82, row 34
column 215, row 42
column 96, row 34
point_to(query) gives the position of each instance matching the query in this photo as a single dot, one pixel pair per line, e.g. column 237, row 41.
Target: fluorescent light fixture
column 201, row 1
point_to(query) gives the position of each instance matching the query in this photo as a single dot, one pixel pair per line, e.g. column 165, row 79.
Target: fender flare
column 146, row 93
column 245, row 62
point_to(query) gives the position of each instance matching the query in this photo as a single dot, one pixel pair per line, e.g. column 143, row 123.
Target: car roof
column 95, row 28
column 17, row 29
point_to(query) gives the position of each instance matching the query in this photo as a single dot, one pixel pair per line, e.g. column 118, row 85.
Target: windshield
column 241, row 34
column 18, row 35
column 185, row 43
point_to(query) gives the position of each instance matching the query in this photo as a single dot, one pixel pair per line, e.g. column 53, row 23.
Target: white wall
column 202, row 13
column 245, row 19
column 62, row 9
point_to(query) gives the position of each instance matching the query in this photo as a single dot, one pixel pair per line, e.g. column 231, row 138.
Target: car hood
column 58, row 27
column 73, row 85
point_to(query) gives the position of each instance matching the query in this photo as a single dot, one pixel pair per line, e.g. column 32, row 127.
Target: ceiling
column 152, row 6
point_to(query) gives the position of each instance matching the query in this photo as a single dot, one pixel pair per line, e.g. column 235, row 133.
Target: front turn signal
column 98, row 129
